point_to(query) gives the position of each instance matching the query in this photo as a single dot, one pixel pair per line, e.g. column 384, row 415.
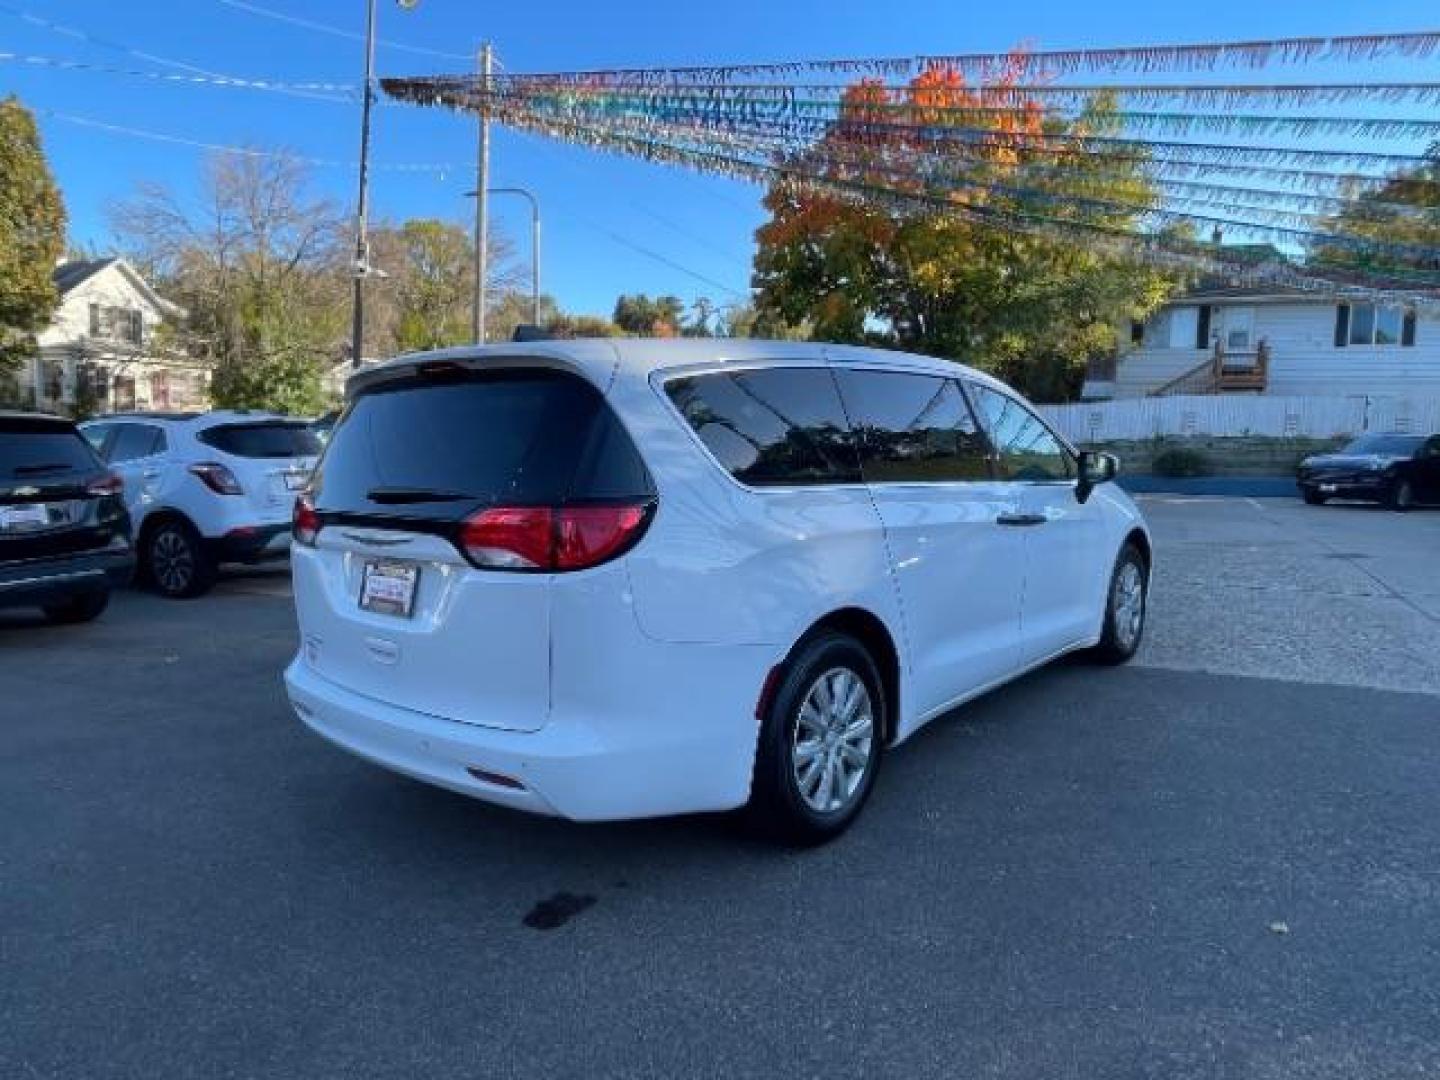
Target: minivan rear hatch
column 407, row 595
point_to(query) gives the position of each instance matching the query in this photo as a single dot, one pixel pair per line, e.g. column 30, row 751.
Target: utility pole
column 362, row 243
column 482, row 194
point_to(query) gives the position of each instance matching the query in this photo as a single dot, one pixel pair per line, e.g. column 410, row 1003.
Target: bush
column 1180, row 462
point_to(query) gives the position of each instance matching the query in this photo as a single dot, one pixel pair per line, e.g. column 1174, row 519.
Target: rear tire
column 177, row 566
column 81, row 608
column 1127, row 607
column 821, row 743
column 1402, row 496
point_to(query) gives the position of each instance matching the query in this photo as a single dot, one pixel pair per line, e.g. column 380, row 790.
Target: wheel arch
column 870, row 630
column 1138, row 538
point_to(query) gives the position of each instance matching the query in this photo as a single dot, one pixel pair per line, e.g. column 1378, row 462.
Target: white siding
column 1303, row 358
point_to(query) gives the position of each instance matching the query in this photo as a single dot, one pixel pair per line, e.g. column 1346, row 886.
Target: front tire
column 821, row 742
column 176, row 562
column 1126, row 608
column 1402, row 496
column 81, row 608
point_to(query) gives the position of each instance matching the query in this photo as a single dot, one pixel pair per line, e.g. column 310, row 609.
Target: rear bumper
column 583, row 770
column 251, row 543
column 47, row 581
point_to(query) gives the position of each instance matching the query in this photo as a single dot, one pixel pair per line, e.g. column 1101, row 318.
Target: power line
column 335, row 31
column 229, row 81
column 139, row 54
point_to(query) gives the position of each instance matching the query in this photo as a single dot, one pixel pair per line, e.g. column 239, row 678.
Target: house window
column 95, row 326
column 1137, row 333
column 134, row 327
column 1373, row 324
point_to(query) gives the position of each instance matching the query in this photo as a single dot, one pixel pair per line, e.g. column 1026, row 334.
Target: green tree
column 259, row 265
column 1403, row 210
column 946, row 268
column 32, row 236
column 581, row 326
column 661, row 316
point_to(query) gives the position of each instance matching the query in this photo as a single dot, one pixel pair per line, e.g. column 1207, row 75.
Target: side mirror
column 1095, row 469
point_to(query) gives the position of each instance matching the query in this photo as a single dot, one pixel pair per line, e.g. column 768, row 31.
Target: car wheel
column 1126, row 608
column 1402, row 496
column 176, row 562
column 1313, row 497
column 80, row 608
column 821, row 741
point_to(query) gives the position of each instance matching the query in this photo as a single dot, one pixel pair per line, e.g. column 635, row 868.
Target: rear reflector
column 549, row 538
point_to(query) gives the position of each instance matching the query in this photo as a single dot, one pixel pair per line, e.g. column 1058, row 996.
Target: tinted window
column 136, row 441
column 1389, row 445
column 1025, row 448
column 267, row 439
column 32, row 449
column 518, row 438
column 95, row 434
column 778, row 426
column 913, row 428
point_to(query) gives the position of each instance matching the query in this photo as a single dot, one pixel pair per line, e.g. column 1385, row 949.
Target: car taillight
column 304, row 522
column 552, row 538
column 109, row 484
column 217, row 478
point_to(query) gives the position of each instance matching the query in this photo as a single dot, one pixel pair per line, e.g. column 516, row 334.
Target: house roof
column 78, row 271
column 71, row 275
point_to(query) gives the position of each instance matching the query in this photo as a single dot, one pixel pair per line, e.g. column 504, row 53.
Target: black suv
column 64, row 532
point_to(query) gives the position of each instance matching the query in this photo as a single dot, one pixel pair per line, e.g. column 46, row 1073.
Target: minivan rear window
column 439, row 448
column 37, row 448
column 771, row 427
column 263, row 439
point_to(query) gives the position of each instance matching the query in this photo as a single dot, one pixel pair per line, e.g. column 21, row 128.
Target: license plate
column 294, row 481
column 1329, row 489
column 33, row 516
column 388, row 588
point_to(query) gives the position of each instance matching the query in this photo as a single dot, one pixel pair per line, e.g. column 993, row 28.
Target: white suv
column 205, row 488
column 614, row 579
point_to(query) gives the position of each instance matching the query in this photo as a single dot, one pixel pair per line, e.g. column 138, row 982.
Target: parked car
column 634, row 578
column 1398, row 470
column 205, row 488
column 64, row 533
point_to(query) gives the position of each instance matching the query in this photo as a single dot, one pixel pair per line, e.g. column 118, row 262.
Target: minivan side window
column 913, row 428
column 1025, row 449
column 771, row 427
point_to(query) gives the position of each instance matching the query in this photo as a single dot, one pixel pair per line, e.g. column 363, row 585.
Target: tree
column 426, row 300
column 639, row 314
column 259, row 265
column 32, row 236
column 953, row 263
column 581, row 326
column 1401, row 211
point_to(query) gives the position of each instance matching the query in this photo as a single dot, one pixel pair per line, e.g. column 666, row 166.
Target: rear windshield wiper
column 398, row 495
column 48, row 467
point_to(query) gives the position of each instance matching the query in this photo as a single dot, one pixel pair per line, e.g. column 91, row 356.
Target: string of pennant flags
column 999, row 140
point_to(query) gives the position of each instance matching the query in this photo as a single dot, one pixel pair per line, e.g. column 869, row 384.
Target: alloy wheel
column 1129, row 605
column 834, row 741
column 172, row 561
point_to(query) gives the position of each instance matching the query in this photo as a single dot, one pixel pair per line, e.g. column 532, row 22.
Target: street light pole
column 482, row 204
column 362, row 243
column 527, row 195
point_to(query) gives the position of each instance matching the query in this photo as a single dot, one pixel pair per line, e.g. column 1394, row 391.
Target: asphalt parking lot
column 1220, row 861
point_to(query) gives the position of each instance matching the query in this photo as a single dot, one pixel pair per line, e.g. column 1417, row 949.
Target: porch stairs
column 1222, row 373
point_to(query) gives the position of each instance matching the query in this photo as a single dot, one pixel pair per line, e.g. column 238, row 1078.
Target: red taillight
column 109, row 484
column 217, row 478
column 551, row 538
column 304, row 522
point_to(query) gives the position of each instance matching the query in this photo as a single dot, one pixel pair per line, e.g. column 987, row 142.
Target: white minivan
column 623, row 578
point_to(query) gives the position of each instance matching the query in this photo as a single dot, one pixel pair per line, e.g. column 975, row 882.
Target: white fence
column 1314, row 417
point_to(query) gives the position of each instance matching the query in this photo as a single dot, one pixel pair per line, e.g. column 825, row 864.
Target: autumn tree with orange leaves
column 952, row 220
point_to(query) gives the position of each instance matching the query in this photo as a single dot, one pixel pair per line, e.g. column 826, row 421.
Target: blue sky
column 611, row 225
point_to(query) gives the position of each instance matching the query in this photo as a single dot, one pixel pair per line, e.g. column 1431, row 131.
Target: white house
column 102, row 345
column 1274, row 341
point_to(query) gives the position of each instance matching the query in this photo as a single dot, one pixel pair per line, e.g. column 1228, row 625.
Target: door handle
column 1021, row 519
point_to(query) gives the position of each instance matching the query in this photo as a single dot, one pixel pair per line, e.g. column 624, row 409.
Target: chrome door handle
column 1021, row 519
